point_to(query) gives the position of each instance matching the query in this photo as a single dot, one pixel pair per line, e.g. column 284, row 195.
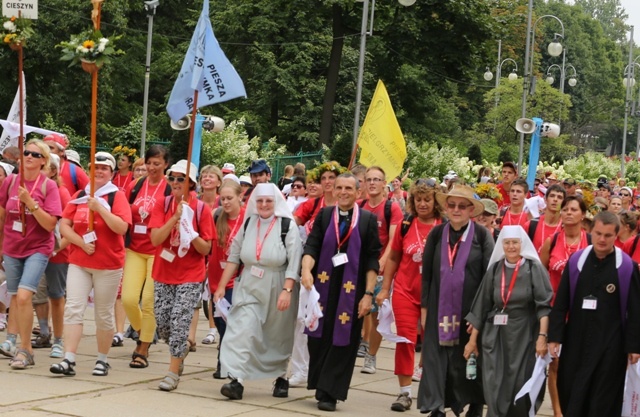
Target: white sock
column 70, row 356
column 213, row 330
column 406, row 389
column 102, row 357
column 240, row 380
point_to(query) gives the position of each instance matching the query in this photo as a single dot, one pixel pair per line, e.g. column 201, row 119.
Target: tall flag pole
column 206, row 77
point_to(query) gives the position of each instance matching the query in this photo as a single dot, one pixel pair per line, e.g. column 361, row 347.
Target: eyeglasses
column 171, row 178
column 140, row 170
column 428, row 182
column 453, row 206
column 625, row 195
column 260, row 201
column 34, row 154
column 372, row 180
column 297, row 186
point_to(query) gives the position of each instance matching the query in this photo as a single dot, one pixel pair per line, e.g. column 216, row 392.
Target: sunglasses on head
column 101, row 158
column 32, row 153
column 171, row 178
column 428, row 182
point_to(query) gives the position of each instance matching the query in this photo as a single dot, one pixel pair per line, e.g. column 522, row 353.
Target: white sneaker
column 298, row 381
column 369, row 366
column 417, row 374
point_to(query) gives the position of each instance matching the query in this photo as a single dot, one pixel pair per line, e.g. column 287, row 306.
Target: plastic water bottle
column 472, row 367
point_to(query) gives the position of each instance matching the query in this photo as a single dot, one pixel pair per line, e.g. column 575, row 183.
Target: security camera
column 150, row 6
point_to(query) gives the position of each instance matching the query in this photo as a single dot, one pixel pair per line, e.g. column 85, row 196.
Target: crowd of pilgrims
column 470, row 281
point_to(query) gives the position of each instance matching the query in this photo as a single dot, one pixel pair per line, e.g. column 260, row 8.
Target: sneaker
column 232, row 390
column 57, row 350
column 363, row 349
column 402, row 403
column 369, row 366
column 297, row 381
column 8, row 349
column 281, row 388
column 417, row 374
column 41, row 341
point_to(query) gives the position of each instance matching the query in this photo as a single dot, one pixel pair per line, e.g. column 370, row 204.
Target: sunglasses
column 171, row 178
column 34, row 154
column 297, row 186
column 428, row 182
column 625, row 195
column 452, row 206
column 101, row 158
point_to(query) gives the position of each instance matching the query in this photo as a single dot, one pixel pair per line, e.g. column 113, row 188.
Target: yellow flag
column 380, row 139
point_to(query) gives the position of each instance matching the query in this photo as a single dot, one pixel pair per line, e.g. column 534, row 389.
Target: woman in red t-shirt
column 137, row 283
column 124, row 175
column 404, row 270
column 568, row 241
column 229, row 222
column 179, row 264
column 96, row 259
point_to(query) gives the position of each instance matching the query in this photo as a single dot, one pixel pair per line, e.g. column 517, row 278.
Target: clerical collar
column 347, row 213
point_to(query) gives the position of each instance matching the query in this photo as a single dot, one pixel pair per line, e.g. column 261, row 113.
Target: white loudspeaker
column 213, row 124
column 182, row 124
column 525, row 126
column 550, row 130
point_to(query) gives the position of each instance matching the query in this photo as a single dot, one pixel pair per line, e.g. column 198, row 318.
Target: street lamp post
column 629, row 81
column 554, row 49
column 488, row 75
column 150, row 8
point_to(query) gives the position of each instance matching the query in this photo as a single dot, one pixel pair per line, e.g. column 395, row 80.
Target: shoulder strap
column 363, row 202
column 74, row 176
column 635, row 243
column 588, row 238
column 167, row 202
column 406, row 224
column 13, row 182
column 503, row 210
column 216, row 214
column 554, row 239
column 316, row 202
column 136, row 189
column 533, row 226
column 285, row 222
column 167, row 190
column 111, row 198
column 387, row 213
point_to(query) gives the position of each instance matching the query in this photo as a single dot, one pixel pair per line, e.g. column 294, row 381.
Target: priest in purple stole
column 456, row 257
column 341, row 261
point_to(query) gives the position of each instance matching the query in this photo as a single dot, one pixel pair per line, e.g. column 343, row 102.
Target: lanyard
column 145, row 201
column 452, row 252
column 505, row 299
column 557, row 228
column 258, row 243
column 511, row 218
column 354, row 223
column 233, row 232
column 35, row 184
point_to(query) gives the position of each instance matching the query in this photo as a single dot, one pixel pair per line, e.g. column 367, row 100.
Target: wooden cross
column 323, row 277
column 348, row 287
column 344, row 318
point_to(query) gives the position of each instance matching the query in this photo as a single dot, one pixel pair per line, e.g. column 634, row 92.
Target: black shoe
column 216, row 374
column 232, row 390
column 281, row 388
column 475, row 410
column 327, row 405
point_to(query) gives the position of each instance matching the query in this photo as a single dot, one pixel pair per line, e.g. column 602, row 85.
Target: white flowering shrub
column 428, row 161
column 589, row 166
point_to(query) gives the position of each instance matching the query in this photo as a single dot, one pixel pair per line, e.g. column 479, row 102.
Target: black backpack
column 387, row 211
column 110, row 197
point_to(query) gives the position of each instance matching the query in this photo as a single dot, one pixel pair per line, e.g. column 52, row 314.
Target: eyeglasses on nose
column 33, row 154
column 372, row 180
column 297, row 186
column 261, row 201
column 171, row 178
column 460, row 206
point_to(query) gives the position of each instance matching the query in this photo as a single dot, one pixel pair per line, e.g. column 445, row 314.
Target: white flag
column 8, row 137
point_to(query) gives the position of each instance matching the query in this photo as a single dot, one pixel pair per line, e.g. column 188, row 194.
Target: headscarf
column 527, row 250
column 281, row 208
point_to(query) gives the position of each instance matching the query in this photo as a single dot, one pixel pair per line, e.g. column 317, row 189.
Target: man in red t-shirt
column 306, row 212
column 515, row 213
column 509, row 173
column 375, row 180
column 548, row 223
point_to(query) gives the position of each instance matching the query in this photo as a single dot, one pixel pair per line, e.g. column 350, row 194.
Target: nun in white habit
column 261, row 322
column 511, row 312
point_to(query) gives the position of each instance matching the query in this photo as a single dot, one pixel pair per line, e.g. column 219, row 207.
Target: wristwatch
column 289, row 290
column 368, row 293
column 35, row 208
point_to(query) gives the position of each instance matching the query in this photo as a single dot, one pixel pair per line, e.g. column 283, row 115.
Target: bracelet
column 289, row 290
column 543, row 335
column 368, row 293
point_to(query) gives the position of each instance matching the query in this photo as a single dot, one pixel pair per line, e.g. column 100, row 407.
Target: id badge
column 420, row 269
column 500, row 319
column 339, row 259
column 17, row 226
column 257, row 272
column 223, row 264
column 167, row 255
column 90, row 237
column 589, row 303
column 140, row 229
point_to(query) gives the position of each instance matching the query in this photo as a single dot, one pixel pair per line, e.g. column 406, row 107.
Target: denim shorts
column 24, row 273
column 376, row 291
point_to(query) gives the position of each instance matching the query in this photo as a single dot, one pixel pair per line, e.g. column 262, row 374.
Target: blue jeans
column 24, row 273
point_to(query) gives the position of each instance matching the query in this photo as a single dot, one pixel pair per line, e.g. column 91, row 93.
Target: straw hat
column 462, row 191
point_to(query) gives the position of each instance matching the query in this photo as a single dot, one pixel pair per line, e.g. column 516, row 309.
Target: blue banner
column 534, row 153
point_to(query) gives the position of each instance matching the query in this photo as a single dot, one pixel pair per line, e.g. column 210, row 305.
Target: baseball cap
column 228, row 168
column 490, row 206
column 105, row 158
column 60, row 140
column 244, row 179
column 569, row 181
column 259, row 166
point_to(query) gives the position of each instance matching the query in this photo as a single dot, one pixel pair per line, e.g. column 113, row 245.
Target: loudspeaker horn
column 525, row 125
column 550, row 130
column 182, row 124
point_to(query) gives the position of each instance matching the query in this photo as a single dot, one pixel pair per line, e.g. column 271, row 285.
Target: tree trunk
column 332, row 76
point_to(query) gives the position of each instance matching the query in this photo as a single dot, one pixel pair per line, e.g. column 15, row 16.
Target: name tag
column 223, row 264
column 589, row 303
column 500, row 319
column 257, row 272
column 167, row 255
column 17, row 226
column 90, row 237
column 339, row 259
column 420, row 269
column 140, row 229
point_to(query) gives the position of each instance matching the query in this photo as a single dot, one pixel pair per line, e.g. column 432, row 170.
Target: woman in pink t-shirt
column 404, row 270
column 27, row 242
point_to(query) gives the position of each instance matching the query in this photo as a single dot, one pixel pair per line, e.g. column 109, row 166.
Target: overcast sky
column 632, row 8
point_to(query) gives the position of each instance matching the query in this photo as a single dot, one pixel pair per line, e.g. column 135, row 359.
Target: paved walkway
column 133, row 392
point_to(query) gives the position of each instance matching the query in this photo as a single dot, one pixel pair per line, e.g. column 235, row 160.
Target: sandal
column 192, row 345
column 117, row 341
column 209, row 339
column 170, row 382
column 18, row 363
column 101, row 369
column 138, row 361
column 63, row 368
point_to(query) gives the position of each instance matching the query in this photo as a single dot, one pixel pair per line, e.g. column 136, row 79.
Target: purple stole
column 451, row 286
column 345, row 314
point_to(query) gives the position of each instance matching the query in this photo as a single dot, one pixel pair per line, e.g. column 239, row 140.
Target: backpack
column 138, row 186
column 407, row 221
column 634, row 244
column 533, row 225
column 43, row 187
column 387, row 211
column 199, row 208
column 555, row 238
column 74, row 176
column 110, row 197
